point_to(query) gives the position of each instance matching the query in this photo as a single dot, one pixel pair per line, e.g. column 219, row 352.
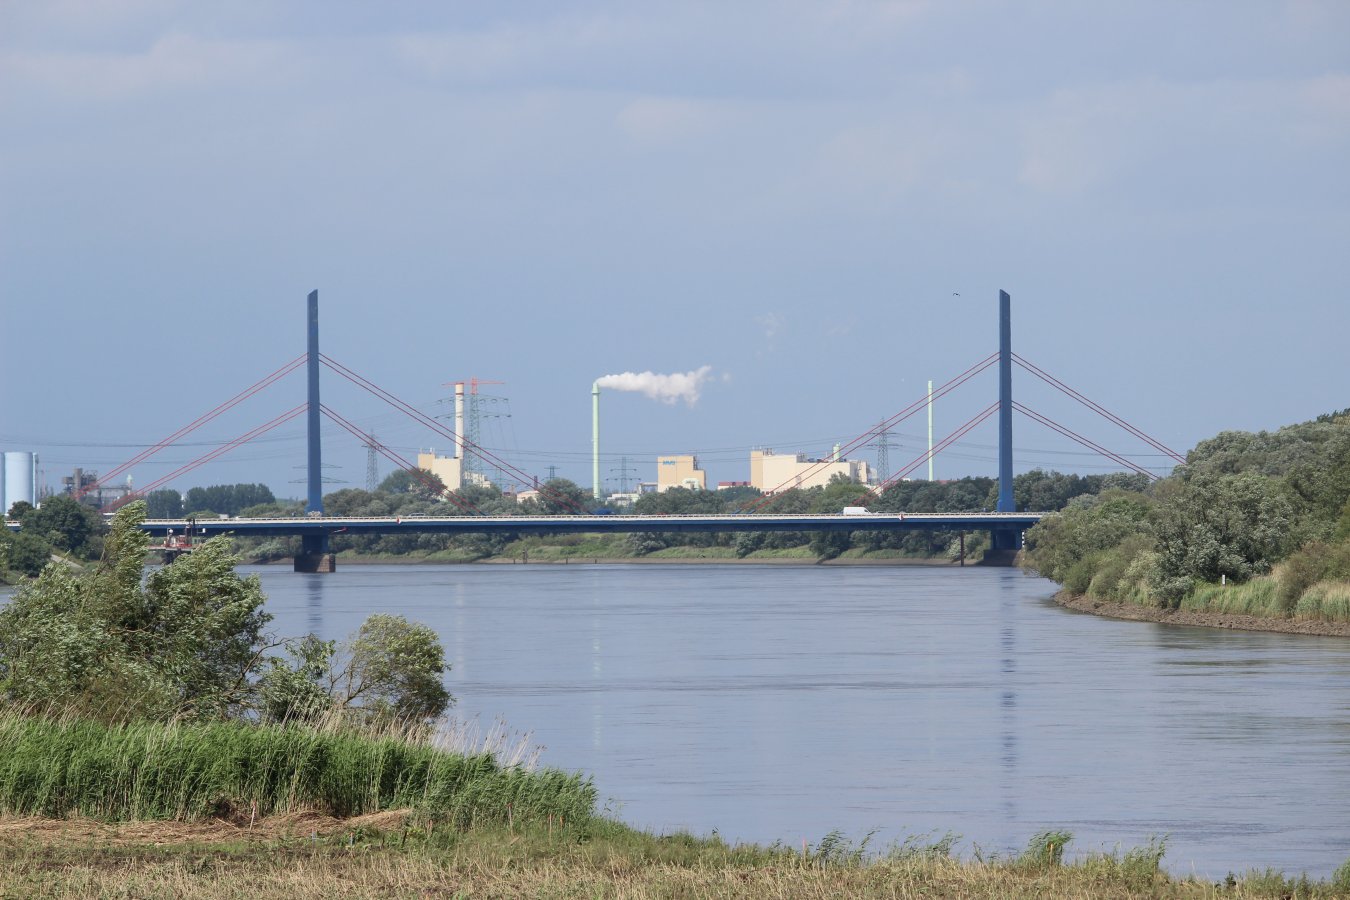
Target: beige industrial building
column 450, row 470
column 771, row 472
column 679, row 472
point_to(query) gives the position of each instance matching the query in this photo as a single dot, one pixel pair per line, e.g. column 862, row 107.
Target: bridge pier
column 314, row 555
column 1003, row 546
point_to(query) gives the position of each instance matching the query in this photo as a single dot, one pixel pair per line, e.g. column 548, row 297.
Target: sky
column 807, row 208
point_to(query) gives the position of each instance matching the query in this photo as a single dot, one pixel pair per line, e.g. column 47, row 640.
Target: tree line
column 1270, row 510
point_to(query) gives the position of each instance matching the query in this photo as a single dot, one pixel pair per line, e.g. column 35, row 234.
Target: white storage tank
column 20, row 481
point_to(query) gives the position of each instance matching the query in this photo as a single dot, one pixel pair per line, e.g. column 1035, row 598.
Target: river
column 782, row 702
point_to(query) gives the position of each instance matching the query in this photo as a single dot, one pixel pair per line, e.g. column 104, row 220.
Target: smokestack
column 459, row 419
column 595, row 439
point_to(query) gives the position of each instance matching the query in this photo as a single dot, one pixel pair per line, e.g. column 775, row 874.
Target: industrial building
column 679, row 472
column 18, row 479
column 770, row 471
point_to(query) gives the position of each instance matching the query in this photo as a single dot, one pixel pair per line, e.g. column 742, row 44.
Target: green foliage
column 226, row 499
column 65, row 523
column 1224, row 526
column 1077, row 536
column 101, row 645
column 394, row 670
column 1340, row 879
column 680, row 501
column 190, row 771
column 1242, row 504
column 20, row 509
column 388, row 672
column 1312, row 563
column 296, row 692
column 25, row 552
column 165, row 504
column 1046, row 849
column 560, row 497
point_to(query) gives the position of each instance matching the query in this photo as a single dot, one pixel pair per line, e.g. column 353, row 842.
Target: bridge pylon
column 314, row 555
column 1006, row 541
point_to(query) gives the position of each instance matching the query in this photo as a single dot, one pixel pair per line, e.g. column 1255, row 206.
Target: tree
column 65, row 522
column 187, row 644
column 20, row 509
column 165, row 504
column 227, row 499
column 389, row 671
column 25, row 553
column 1217, row 526
column 422, row 483
column 562, row 497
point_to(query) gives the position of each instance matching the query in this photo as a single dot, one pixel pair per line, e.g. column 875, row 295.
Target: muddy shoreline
column 1233, row 621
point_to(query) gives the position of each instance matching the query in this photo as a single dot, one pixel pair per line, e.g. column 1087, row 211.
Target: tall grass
column 1258, row 597
column 1329, row 600
column 58, row 768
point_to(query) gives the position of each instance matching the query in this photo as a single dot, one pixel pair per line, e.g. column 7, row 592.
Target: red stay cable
column 867, row 436
column 198, row 422
column 1050, row 423
column 218, row 451
column 1096, row 407
column 423, row 419
column 370, row 441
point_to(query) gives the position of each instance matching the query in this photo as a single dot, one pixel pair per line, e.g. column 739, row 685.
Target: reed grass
column 1328, row 600
column 59, row 768
column 1258, row 597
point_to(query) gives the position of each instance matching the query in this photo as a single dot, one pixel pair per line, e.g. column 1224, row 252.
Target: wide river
column 776, row 703
column 782, row 702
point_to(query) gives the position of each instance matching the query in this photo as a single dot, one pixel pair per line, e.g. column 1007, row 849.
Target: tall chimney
column 595, row 439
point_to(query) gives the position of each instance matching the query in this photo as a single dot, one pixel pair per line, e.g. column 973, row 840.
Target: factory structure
column 769, row 472
column 18, row 479
column 454, row 471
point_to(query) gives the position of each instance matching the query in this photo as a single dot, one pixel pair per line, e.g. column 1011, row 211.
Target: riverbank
column 1195, row 618
column 640, row 561
column 303, row 856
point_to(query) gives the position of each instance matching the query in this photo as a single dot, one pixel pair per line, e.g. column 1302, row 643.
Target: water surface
column 779, row 703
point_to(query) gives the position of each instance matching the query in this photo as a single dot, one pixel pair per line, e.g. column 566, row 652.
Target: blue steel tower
column 314, row 555
column 1005, row 540
column 1005, row 411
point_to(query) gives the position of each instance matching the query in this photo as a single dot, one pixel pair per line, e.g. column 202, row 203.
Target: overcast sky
column 818, row 201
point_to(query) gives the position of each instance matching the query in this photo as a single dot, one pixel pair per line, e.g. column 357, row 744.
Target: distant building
column 84, row 486
column 728, row 485
column 450, row 470
column 771, row 472
column 679, row 472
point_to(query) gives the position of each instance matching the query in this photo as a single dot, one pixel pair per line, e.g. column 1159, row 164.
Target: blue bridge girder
column 333, row 525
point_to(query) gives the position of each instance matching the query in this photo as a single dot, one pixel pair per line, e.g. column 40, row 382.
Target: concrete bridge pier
column 314, row 555
column 1003, row 546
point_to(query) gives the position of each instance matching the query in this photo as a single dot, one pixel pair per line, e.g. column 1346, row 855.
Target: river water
column 782, row 702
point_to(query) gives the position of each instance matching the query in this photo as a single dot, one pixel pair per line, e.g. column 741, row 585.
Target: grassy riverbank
column 248, row 811
column 1202, row 616
column 300, row 857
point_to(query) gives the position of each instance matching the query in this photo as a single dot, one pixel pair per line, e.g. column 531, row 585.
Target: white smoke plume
column 666, row 388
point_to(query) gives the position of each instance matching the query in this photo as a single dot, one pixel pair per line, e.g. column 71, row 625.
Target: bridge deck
column 593, row 524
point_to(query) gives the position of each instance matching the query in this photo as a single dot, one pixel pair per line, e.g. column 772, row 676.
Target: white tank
column 20, row 482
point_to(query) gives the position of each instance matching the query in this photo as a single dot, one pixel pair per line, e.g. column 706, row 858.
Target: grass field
column 300, row 856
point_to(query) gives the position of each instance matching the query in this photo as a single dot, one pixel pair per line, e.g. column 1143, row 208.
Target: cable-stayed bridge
column 1005, row 524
